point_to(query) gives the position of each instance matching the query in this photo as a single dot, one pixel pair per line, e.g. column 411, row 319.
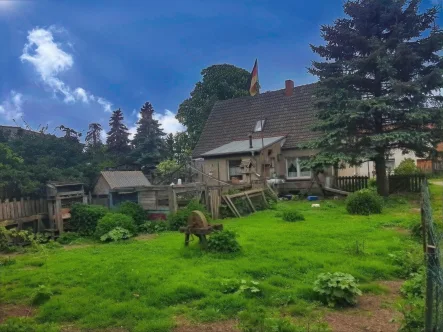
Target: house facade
column 251, row 138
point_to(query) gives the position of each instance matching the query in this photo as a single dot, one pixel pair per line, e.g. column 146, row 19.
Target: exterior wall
column 101, row 187
column 148, row 200
column 368, row 167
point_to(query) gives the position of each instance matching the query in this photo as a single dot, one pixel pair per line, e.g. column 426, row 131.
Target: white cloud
column 168, row 122
column 11, row 108
column 50, row 60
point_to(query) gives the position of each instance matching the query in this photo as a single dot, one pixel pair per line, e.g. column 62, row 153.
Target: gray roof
column 125, row 179
column 233, row 119
column 243, row 146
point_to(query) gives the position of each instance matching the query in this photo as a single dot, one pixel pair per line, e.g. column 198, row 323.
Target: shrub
column 68, row 237
column 372, row 183
column 152, row 227
column 180, row 218
column 292, row 216
column 249, row 288
column 407, row 167
column 113, row 220
column 413, row 317
column 415, row 286
column 133, row 210
column 116, row 234
column 84, row 218
column 337, row 288
column 41, row 295
column 364, row 202
column 223, row 241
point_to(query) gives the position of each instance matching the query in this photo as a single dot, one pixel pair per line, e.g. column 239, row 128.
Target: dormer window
column 259, row 126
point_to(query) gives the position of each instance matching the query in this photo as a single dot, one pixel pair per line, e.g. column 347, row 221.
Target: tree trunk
column 382, row 179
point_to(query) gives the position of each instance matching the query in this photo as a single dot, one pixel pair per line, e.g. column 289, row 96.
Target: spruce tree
column 93, row 136
column 377, row 85
column 148, row 144
column 170, row 146
column 118, row 135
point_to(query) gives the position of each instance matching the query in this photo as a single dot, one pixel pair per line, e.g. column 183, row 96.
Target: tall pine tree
column 377, row 84
column 170, row 146
column 118, row 135
column 93, row 136
column 148, row 144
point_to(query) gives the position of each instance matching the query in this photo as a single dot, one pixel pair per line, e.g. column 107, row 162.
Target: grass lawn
column 143, row 285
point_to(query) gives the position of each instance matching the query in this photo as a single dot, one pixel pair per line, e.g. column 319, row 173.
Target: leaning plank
column 273, row 193
column 264, row 198
column 20, row 220
column 232, row 208
column 250, row 203
column 243, row 193
column 336, row 191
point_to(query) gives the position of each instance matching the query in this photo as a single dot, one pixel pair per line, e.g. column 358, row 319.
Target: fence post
column 172, row 200
column 429, row 288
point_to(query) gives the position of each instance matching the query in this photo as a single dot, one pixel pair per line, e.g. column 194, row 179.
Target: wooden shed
column 114, row 187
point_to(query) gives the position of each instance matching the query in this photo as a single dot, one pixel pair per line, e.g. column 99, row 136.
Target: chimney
column 250, row 141
column 289, row 87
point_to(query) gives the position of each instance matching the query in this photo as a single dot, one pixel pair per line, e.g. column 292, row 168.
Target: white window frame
column 298, row 177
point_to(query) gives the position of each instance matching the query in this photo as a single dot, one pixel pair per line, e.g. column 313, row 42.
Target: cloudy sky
column 73, row 62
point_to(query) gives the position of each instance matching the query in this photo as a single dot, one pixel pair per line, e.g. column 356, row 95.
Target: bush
column 84, row 218
column 415, row 286
column 113, row 220
column 247, row 288
column 292, row 216
column 337, row 289
column 133, row 210
column 180, row 218
column 364, row 202
column 413, row 317
column 223, row 241
column 116, row 234
column 407, row 167
column 68, row 237
column 152, row 227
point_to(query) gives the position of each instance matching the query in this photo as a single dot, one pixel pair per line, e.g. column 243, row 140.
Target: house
column 114, row 187
column 251, row 138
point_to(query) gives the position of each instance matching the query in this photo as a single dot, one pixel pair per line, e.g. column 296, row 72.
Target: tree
column 407, row 167
column 70, row 134
column 93, row 136
column 377, row 83
column 170, row 146
column 220, row 82
column 118, row 135
column 148, row 144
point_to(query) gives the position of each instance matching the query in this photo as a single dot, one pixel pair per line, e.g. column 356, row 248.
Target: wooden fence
column 352, row 183
column 406, row 183
column 14, row 209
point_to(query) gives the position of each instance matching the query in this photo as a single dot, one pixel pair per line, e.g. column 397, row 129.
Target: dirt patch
column 224, row 326
column 12, row 310
column 374, row 313
column 145, row 237
column 399, row 230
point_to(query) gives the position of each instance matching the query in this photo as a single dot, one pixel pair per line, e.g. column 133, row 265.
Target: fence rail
column 406, row 183
column 352, row 183
column 13, row 209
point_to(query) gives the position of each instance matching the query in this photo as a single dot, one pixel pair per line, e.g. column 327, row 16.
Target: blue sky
column 72, row 62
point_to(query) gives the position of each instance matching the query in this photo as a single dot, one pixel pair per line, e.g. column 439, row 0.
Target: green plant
column 116, row 234
column 52, row 245
column 407, row 167
column 292, row 215
column 415, row 285
column 180, row 218
column 330, row 205
column 133, row 210
column 84, row 218
column 25, row 324
column 223, row 241
column 372, row 183
column 5, row 261
column 249, row 288
column 337, row 289
column 409, row 260
column 357, row 248
column 41, row 295
column 364, row 202
column 112, row 220
column 152, row 227
column 413, row 315
column 68, row 237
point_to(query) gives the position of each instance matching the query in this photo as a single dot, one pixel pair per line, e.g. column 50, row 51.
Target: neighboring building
column 114, row 187
column 248, row 138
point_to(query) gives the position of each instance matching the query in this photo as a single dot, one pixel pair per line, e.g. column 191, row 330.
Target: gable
column 101, row 187
column 290, row 116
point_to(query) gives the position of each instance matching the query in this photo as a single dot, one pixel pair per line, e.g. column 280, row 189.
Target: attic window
column 259, row 126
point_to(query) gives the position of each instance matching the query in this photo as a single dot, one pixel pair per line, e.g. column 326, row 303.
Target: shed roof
column 235, row 147
column 125, row 179
column 233, row 119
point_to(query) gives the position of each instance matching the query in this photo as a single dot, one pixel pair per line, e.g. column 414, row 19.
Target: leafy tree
column 376, row 86
column 167, row 167
column 93, row 136
column 182, row 147
column 148, row 144
column 170, row 146
column 407, row 167
column 118, row 135
column 220, row 82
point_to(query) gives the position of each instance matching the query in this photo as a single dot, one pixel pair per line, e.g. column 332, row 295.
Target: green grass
column 143, row 285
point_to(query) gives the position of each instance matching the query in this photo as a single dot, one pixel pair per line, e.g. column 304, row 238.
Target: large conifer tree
column 377, row 85
column 148, row 144
column 118, row 135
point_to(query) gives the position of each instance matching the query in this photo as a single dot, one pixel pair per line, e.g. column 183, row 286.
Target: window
column 259, row 126
column 234, row 169
column 390, row 165
column 295, row 169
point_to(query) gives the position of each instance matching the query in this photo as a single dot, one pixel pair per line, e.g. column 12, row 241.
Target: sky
column 71, row 63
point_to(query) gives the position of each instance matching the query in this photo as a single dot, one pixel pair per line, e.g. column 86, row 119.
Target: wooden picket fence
column 352, row 183
column 14, row 209
column 406, row 183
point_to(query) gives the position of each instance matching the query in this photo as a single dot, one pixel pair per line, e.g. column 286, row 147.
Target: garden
column 292, row 268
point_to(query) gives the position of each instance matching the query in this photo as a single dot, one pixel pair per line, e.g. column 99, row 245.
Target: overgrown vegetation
column 116, row 234
column 223, row 241
column 407, row 167
column 364, row 202
column 151, row 227
column 110, row 221
column 134, row 210
column 84, row 218
column 292, row 215
column 337, row 289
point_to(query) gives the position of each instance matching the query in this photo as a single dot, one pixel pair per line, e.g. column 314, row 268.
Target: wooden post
column 6, row 213
column 172, row 200
column 250, row 203
column 51, row 214
column 58, row 214
column 111, row 203
column 85, row 199
column 22, row 210
column 430, row 265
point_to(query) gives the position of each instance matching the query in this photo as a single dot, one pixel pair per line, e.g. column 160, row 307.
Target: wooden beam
column 21, row 220
column 250, row 203
column 228, row 203
column 336, row 191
